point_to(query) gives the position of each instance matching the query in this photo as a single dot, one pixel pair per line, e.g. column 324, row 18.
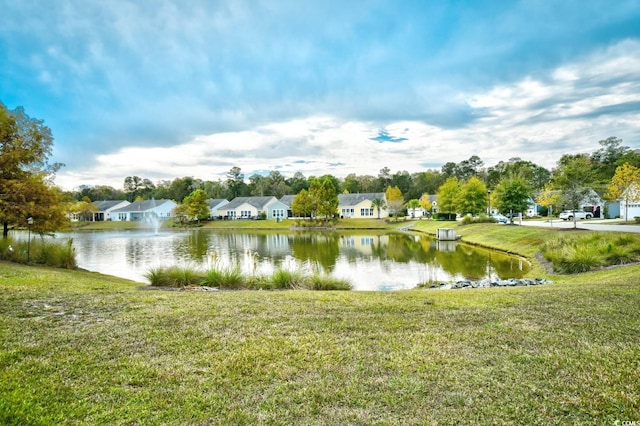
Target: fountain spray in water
column 152, row 218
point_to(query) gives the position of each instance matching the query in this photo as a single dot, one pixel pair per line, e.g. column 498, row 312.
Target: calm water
column 370, row 261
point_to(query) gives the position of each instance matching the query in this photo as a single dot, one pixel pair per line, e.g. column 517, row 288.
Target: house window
column 278, row 213
column 347, row 212
column 366, row 212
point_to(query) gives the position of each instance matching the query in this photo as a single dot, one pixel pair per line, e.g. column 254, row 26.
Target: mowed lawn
column 81, row 348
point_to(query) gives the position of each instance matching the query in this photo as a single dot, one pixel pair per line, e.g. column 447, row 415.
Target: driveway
column 605, row 225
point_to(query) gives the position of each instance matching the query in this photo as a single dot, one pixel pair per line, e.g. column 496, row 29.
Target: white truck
column 578, row 214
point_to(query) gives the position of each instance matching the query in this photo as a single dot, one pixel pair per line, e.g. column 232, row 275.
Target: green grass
column 82, row 348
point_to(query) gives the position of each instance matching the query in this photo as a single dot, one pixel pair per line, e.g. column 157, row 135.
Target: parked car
column 578, row 214
column 499, row 218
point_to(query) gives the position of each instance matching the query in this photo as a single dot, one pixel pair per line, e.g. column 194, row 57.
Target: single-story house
column 145, row 210
column 106, row 207
column 253, row 207
column 361, row 205
column 630, row 202
column 287, row 200
column 215, row 204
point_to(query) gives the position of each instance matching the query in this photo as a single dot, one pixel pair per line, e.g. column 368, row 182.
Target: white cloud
column 537, row 119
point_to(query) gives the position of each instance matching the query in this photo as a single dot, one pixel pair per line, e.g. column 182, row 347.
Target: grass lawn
column 82, row 348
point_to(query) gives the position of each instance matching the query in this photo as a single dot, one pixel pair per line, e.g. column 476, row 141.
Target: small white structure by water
column 446, row 234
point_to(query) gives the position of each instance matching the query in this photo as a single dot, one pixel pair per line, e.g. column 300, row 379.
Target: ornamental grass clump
column 40, row 251
column 585, row 253
column 285, row 279
column 323, row 282
column 581, row 258
column 229, row 277
column 174, row 276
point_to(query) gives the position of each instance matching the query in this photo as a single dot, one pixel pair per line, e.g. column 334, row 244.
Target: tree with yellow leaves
column 625, row 185
column 548, row 198
column 395, row 199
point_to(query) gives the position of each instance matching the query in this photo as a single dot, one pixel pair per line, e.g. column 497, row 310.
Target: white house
column 253, row 207
column 215, row 204
column 361, row 205
column 106, row 207
column 630, row 202
column 287, row 200
column 145, row 210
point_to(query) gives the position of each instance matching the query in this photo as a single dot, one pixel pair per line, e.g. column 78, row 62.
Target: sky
column 163, row 89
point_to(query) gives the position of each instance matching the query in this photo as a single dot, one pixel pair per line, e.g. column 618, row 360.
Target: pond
column 370, row 261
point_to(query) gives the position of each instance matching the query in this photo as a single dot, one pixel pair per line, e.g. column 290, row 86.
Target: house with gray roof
column 253, row 208
column 361, row 205
column 287, row 200
column 215, row 204
column 105, row 208
column 145, row 210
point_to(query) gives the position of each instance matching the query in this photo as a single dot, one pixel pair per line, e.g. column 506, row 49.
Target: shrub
column 483, row 218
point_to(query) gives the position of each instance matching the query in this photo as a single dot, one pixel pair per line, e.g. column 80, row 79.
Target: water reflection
column 372, row 261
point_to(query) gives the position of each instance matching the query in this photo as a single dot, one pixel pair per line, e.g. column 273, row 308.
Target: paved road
column 606, row 225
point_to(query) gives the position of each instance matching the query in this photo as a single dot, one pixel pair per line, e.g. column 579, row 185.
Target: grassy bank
column 84, row 348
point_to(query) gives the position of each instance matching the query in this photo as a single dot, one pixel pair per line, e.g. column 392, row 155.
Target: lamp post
column 29, row 223
column 489, row 197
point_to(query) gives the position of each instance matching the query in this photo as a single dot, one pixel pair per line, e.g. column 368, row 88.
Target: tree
column 448, row 194
column 302, row 204
column 196, row 206
column 235, row 182
column 378, row 204
column 428, row 182
column 384, row 177
column 536, row 176
column 469, row 168
column 413, row 204
column 573, row 176
column 472, row 198
column 606, row 158
column 181, row 188
column 135, row 186
column 258, row 185
column 548, row 198
column 85, row 209
column 26, row 188
column 351, row 184
column 297, row 183
column 512, row 195
column 625, row 184
column 425, row 202
column 395, row 200
column 277, row 184
column 325, row 197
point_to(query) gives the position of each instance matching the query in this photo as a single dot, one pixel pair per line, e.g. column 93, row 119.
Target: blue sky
column 165, row 89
